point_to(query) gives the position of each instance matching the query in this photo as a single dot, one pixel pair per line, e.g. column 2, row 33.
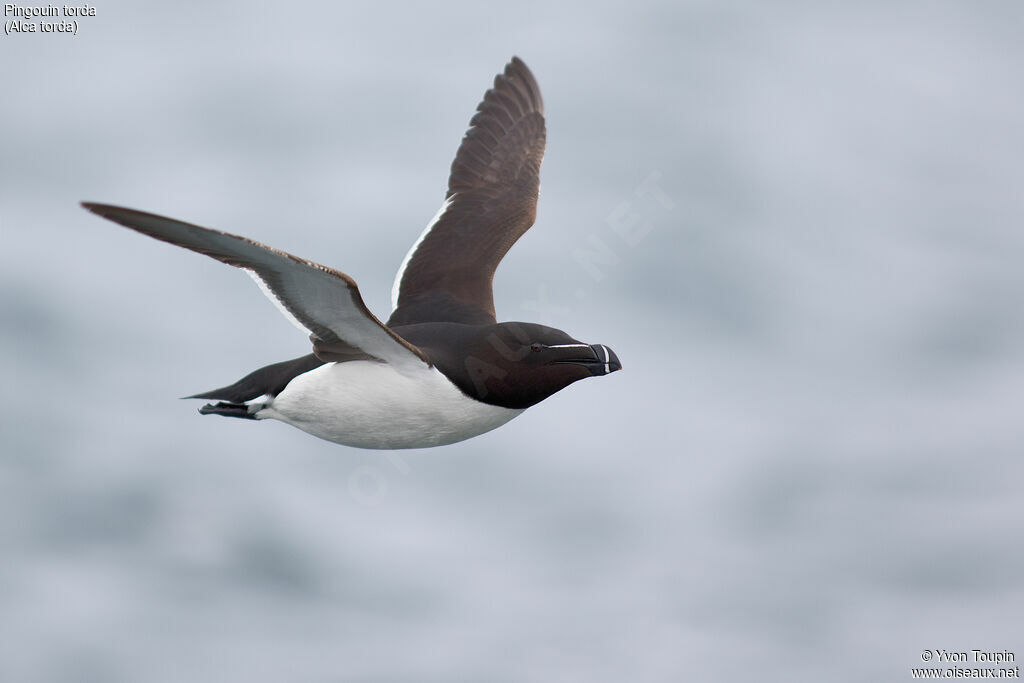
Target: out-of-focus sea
column 800, row 226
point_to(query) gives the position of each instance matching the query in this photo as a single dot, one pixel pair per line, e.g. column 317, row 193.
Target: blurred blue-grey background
column 798, row 224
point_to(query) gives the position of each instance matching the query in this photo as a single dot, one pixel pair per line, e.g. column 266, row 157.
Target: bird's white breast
column 371, row 405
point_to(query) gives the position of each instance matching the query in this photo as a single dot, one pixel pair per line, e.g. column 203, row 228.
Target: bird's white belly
column 370, row 405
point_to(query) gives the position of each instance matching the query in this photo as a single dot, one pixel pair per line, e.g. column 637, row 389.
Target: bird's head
column 517, row 365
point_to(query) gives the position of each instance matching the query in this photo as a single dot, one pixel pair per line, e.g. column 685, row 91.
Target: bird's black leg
column 228, row 410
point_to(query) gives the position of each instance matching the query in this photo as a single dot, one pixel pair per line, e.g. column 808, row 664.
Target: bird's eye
column 535, row 347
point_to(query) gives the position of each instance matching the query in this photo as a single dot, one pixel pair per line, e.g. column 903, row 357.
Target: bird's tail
column 268, row 381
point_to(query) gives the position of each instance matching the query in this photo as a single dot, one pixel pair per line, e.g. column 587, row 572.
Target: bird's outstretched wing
column 323, row 301
column 491, row 202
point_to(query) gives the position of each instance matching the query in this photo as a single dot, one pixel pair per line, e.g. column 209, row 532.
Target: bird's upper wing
column 491, row 202
column 321, row 300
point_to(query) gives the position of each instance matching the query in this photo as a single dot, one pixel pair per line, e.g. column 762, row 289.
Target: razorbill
column 442, row 369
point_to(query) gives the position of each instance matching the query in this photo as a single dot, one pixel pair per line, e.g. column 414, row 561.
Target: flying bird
column 442, row 369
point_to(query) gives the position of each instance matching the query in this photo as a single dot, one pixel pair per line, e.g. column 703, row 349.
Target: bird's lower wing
column 323, row 301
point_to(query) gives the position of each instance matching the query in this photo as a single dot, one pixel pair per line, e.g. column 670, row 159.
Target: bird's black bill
column 603, row 362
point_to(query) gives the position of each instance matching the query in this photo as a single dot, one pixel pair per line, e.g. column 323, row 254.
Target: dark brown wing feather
column 491, row 202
